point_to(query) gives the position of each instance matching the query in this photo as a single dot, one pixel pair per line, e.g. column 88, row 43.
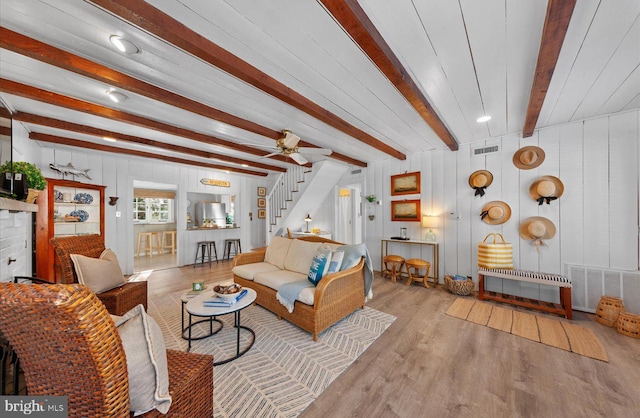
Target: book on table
column 219, row 302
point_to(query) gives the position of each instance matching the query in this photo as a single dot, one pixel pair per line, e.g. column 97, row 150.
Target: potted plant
column 371, row 199
column 35, row 179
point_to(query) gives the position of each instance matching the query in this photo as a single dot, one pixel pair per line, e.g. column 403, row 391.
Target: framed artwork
column 408, row 183
column 262, row 213
column 262, row 191
column 262, row 202
column 405, row 210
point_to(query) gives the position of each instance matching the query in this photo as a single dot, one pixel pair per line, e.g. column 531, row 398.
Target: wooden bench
column 562, row 282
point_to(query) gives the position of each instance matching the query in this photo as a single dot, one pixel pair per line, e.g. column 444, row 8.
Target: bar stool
column 417, row 265
column 172, row 241
column 205, row 248
column 237, row 249
column 148, row 238
column 392, row 266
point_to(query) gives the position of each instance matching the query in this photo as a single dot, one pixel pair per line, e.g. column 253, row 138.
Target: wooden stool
column 417, row 264
column 205, row 248
column 237, row 249
column 392, row 266
column 148, row 243
column 172, row 241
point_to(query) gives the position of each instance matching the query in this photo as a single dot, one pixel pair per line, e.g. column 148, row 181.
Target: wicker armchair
column 68, row 345
column 119, row 300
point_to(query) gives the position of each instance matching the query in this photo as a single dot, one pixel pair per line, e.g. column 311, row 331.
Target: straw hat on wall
column 537, row 228
column 546, row 189
column 495, row 213
column 480, row 180
column 529, row 157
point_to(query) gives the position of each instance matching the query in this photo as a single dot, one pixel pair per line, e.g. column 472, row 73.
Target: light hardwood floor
column 428, row 364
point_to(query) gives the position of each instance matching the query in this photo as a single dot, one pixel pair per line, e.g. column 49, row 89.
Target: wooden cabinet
column 65, row 208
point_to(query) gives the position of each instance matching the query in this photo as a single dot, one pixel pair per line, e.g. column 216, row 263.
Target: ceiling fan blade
column 269, row 147
column 317, row 151
column 270, row 155
column 295, row 156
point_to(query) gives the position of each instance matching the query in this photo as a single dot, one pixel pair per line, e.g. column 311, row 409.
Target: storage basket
column 628, row 324
column 459, row 287
column 608, row 310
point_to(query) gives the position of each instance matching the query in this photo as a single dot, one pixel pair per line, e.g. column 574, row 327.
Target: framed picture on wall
column 408, row 183
column 405, row 210
column 262, row 202
column 262, row 213
column 262, row 191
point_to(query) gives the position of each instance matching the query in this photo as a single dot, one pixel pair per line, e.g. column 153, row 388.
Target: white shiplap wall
column 596, row 218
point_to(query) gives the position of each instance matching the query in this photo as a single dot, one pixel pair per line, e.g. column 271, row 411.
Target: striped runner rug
column 564, row 335
column 285, row 370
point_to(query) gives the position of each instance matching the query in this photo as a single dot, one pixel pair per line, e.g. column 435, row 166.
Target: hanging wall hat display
column 537, row 228
column 479, row 181
column 529, row 157
column 495, row 213
column 545, row 189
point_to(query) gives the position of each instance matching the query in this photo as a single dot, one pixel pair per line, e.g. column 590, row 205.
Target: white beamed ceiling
column 469, row 58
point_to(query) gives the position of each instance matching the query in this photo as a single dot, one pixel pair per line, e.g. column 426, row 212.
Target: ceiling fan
column 288, row 146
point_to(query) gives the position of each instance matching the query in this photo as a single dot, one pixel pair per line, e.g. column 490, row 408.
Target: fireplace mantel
column 17, row 205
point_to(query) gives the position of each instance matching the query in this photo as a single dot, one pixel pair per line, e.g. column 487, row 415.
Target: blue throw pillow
column 319, row 265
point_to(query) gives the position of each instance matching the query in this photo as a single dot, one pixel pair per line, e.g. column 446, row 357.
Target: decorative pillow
column 98, row 274
column 319, row 265
column 277, row 251
column 336, row 261
column 146, row 361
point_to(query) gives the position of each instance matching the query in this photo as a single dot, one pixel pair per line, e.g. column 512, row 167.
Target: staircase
column 300, row 191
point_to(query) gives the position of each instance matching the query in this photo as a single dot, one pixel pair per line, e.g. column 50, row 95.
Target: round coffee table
column 195, row 308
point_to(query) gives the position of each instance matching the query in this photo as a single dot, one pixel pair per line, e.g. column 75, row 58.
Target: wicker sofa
column 68, row 345
column 336, row 296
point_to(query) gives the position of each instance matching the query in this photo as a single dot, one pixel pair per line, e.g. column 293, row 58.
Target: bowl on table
column 227, row 291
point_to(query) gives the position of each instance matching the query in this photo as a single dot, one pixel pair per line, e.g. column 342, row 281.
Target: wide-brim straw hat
column 546, row 187
column 480, row 178
column 537, row 227
column 496, row 212
column 529, row 157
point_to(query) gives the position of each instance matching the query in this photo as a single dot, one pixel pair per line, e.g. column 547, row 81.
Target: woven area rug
column 552, row 332
column 285, row 370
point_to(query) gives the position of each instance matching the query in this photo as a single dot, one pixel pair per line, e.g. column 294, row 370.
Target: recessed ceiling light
column 124, row 45
column 484, row 118
column 116, row 96
column 109, row 139
column 245, row 165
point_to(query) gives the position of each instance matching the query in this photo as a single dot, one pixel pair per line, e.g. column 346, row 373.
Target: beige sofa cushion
column 275, row 279
column 98, row 274
column 277, row 251
column 300, row 256
column 248, row 271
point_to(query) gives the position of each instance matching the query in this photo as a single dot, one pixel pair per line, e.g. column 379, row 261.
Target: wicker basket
column 628, row 324
column 608, row 310
column 459, row 287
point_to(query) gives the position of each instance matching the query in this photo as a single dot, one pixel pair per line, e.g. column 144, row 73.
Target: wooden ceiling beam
column 34, row 93
column 106, row 148
column 154, row 21
column 51, row 55
column 89, row 130
column 357, row 24
column 556, row 23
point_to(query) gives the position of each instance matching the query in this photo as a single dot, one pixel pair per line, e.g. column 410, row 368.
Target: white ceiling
column 469, row 57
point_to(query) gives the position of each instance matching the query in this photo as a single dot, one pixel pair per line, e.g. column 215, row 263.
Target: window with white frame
column 152, row 209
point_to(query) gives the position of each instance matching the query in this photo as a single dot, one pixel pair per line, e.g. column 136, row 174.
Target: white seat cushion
column 277, row 251
column 248, row 271
column 275, row 279
column 300, row 256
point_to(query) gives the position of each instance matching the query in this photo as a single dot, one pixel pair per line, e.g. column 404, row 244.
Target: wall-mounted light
column 124, row 45
column 113, row 200
column 116, row 96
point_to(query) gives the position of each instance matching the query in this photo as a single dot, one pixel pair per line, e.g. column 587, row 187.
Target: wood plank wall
column 596, row 218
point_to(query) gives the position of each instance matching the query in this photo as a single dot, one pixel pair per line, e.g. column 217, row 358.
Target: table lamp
column 307, row 220
column 430, row 222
